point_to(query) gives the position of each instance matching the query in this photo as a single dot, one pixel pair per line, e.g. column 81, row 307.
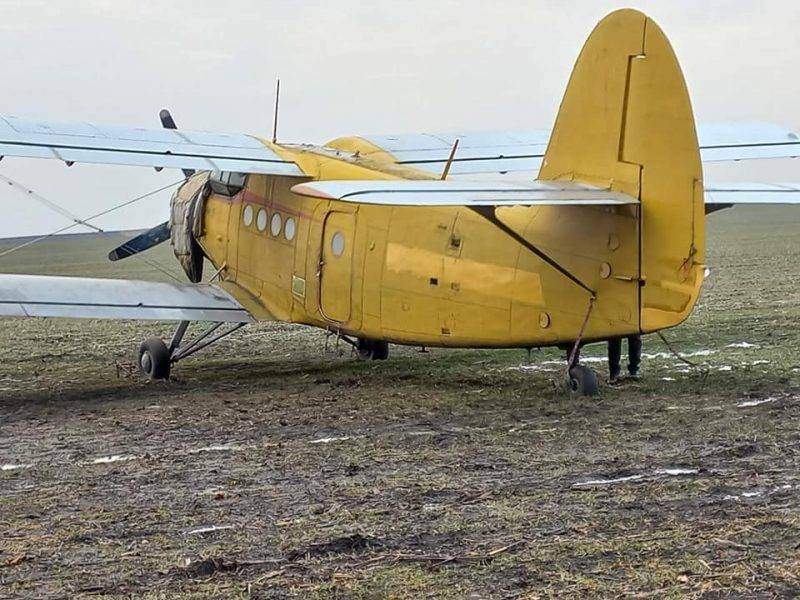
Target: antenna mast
column 275, row 116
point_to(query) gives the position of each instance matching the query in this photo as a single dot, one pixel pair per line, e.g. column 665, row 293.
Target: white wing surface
column 77, row 297
column 523, row 151
column 462, row 193
column 159, row 148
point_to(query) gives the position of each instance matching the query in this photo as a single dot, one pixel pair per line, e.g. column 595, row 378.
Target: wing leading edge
column 84, row 298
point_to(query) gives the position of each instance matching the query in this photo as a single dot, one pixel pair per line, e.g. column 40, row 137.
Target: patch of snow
column 221, row 448
column 684, row 354
column 725, row 368
column 329, row 440
column 540, row 367
column 593, row 359
column 751, row 494
column 706, row 273
column 417, row 433
column 608, row 481
column 755, row 402
column 13, row 467
column 759, row 362
column 677, row 471
column 113, row 458
column 210, row 529
column 743, row 345
column 667, row 379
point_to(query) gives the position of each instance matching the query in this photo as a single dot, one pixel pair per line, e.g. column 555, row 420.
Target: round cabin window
column 276, row 224
column 261, row 220
column 289, row 229
column 337, row 243
column 247, row 215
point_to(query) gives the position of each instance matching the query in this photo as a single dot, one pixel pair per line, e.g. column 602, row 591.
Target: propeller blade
column 143, row 241
column 169, row 123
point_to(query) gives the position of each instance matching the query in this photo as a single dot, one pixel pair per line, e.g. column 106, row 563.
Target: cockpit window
column 228, row 183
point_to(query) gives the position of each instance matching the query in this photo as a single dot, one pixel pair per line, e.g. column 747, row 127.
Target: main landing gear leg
column 581, row 379
column 156, row 358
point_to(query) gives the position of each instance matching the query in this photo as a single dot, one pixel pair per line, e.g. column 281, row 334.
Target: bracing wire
column 76, row 221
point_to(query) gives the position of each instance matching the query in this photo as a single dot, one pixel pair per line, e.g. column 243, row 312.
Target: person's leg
column 614, row 356
column 634, row 355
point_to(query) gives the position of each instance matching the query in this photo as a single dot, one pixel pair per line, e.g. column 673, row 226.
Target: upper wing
column 462, row 193
column 78, row 297
column 159, row 148
column 523, row 151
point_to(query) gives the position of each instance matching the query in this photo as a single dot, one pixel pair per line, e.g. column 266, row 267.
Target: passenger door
column 336, row 266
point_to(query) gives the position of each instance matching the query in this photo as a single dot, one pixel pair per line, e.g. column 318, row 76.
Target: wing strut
column 489, row 213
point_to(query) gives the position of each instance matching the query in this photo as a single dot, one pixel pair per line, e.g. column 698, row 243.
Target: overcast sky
column 348, row 67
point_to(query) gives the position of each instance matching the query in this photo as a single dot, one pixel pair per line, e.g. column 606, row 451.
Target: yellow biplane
column 432, row 240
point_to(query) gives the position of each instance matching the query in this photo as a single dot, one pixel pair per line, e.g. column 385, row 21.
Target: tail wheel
column 582, row 380
column 372, row 349
column 154, row 359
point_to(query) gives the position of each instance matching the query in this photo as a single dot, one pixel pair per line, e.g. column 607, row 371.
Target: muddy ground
column 271, row 467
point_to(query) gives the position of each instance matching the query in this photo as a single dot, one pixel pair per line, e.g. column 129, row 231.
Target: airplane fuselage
column 435, row 276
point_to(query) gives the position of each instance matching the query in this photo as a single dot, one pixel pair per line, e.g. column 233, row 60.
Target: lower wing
column 79, row 297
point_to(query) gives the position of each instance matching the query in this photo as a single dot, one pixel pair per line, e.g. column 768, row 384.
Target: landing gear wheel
column 582, row 380
column 380, row 350
column 154, row 359
column 372, row 349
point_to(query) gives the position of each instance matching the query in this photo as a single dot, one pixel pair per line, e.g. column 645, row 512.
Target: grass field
column 272, row 466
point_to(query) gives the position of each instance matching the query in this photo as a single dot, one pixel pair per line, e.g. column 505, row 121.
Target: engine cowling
column 186, row 224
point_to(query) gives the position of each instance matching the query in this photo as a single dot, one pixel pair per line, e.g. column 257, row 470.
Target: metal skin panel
column 447, row 193
column 523, row 151
column 161, row 148
column 78, row 297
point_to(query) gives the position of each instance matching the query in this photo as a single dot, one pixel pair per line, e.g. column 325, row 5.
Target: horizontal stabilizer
column 753, row 193
column 158, row 148
column 462, row 193
column 84, row 298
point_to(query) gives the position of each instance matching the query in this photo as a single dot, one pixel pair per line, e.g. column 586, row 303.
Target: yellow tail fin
column 626, row 122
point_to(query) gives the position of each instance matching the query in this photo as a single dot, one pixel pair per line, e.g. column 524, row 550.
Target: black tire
column 364, row 349
column 154, row 359
column 582, row 380
column 380, row 350
column 372, row 349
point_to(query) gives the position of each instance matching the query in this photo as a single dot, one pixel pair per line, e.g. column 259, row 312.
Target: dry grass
column 441, row 475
